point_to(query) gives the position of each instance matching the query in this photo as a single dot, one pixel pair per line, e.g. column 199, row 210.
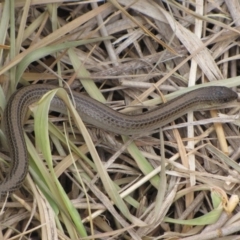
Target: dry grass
column 124, row 53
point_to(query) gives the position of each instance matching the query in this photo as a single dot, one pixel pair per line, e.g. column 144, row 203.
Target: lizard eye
column 224, row 100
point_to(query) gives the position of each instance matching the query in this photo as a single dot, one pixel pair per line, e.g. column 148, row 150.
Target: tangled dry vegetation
column 127, row 54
